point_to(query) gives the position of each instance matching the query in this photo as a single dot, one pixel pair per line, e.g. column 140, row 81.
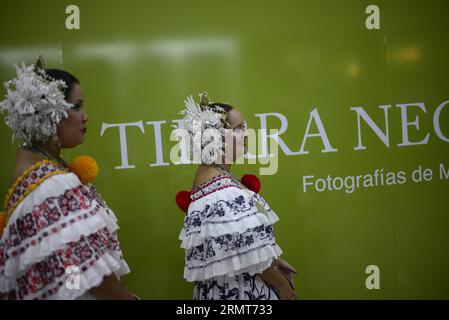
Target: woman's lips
column 84, row 130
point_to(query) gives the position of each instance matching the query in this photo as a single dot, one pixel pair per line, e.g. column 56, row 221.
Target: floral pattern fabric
column 60, row 224
column 228, row 238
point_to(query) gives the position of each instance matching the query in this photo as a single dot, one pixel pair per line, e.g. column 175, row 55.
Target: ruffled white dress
column 228, row 238
column 60, row 240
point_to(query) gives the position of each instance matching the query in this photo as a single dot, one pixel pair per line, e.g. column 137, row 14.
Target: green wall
column 138, row 60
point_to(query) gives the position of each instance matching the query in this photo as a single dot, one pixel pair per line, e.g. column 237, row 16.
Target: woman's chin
column 81, row 141
column 73, row 144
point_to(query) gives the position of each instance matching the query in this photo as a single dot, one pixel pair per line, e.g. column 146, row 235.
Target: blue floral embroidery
column 239, row 206
column 241, row 242
column 242, row 287
column 218, row 249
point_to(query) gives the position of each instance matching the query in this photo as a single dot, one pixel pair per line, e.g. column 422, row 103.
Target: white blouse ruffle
column 226, row 232
column 19, row 253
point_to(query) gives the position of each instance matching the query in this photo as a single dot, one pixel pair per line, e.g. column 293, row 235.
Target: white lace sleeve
column 227, row 231
column 60, row 224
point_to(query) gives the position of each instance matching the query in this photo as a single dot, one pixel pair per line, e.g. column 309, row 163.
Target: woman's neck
column 204, row 173
column 50, row 148
column 225, row 167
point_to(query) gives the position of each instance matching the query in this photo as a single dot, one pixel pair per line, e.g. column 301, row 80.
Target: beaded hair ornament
column 205, row 126
column 34, row 104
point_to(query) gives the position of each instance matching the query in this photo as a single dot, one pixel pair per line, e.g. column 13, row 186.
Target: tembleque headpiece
column 35, row 103
column 200, row 117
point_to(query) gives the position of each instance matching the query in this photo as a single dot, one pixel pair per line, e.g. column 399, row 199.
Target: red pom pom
column 183, row 200
column 252, row 182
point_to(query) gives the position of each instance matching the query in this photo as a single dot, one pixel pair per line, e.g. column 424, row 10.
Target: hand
column 287, row 293
column 286, row 270
column 136, row 297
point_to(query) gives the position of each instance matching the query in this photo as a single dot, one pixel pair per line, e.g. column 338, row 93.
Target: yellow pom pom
column 85, row 167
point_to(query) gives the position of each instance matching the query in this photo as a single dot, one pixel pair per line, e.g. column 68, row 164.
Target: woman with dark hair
column 230, row 248
column 59, row 239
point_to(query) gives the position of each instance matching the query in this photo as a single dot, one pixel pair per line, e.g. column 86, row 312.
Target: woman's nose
column 85, row 118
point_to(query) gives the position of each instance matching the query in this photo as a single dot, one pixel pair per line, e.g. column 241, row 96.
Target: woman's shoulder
column 204, row 175
column 218, row 186
column 43, row 176
column 24, row 161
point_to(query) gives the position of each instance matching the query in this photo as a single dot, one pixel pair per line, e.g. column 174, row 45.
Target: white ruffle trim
column 209, row 229
column 91, row 278
column 33, row 254
column 252, row 262
column 230, row 222
column 54, row 186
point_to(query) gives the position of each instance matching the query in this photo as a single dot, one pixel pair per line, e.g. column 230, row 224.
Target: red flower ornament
column 252, row 182
column 183, row 200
